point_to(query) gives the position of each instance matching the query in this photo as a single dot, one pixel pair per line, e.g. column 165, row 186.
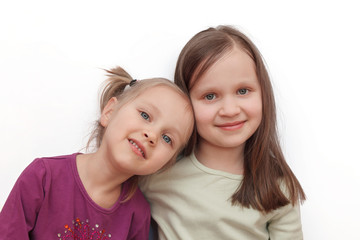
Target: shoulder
column 46, row 161
column 182, row 166
column 58, row 159
column 182, row 163
column 40, row 168
column 164, row 178
column 59, row 164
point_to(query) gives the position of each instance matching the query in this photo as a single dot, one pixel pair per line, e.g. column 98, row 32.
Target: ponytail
column 114, row 86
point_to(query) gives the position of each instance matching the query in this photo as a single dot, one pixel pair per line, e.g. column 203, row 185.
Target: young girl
column 95, row 195
column 234, row 182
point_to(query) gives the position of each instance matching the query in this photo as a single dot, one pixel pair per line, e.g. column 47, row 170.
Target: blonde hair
column 118, row 85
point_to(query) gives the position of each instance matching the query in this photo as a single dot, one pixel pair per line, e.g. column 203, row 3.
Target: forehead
column 235, row 66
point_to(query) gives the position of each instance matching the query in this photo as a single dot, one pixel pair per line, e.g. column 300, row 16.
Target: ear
column 108, row 111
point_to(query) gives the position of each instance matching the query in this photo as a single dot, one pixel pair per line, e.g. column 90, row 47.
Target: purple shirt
column 49, row 201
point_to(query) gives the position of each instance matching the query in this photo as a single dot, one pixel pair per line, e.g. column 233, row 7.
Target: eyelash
column 212, row 96
column 166, row 138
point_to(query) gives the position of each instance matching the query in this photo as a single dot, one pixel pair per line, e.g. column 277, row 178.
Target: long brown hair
column 118, row 80
column 265, row 169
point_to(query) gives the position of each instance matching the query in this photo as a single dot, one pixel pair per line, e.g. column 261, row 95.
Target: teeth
column 133, row 143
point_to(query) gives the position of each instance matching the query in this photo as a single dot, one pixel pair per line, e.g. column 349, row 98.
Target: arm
column 286, row 224
column 18, row 216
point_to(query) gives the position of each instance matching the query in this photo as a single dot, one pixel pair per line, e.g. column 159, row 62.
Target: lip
column 231, row 126
column 138, row 148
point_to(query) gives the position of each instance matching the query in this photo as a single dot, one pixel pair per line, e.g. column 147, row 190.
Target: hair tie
column 132, row 82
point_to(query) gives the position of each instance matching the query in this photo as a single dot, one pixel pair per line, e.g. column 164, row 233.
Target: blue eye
column 243, row 91
column 210, row 96
column 166, row 138
column 145, row 115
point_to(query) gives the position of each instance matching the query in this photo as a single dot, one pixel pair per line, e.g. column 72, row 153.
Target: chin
column 231, row 146
column 145, row 172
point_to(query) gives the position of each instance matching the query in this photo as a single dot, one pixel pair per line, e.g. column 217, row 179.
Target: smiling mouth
column 139, row 150
column 231, row 126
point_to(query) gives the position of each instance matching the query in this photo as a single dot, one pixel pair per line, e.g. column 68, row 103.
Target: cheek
column 254, row 109
column 203, row 114
column 162, row 159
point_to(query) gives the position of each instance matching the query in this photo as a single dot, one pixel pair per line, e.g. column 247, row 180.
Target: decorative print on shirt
column 83, row 231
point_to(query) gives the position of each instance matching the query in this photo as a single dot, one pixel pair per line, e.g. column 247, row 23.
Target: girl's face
column 227, row 101
column 144, row 134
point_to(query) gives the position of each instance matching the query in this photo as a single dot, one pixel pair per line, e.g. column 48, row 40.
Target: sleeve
column 18, row 216
column 286, row 224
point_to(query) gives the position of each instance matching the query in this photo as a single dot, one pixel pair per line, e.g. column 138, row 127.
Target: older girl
column 233, row 182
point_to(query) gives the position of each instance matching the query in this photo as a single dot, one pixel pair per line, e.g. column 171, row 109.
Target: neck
column 101, row 183
column 229, row 160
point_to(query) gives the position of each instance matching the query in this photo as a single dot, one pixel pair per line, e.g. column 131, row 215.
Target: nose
column 229, row 107
column 150, row 137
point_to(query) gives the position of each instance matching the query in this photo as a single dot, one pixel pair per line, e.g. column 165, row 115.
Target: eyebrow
column 242, row 82
column 153, row 108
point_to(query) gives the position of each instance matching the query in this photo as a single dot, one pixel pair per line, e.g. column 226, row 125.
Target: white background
column 52, row 53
